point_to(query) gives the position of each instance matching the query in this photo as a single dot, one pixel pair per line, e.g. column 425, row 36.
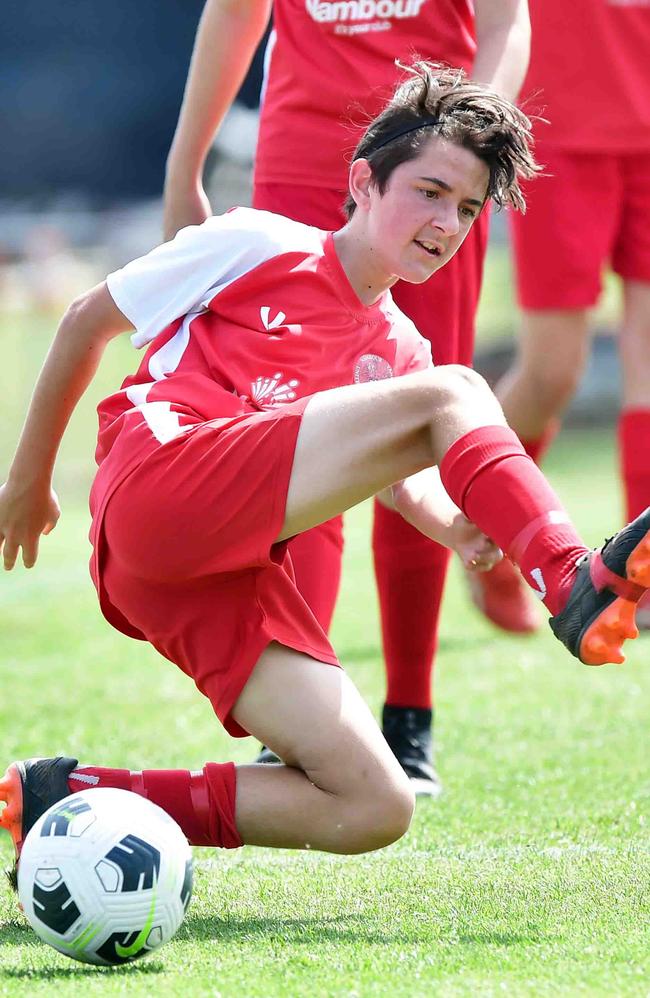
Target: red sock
column 634, row 445
column 488, row 474
column 202, row 803
column 537, row 448
column 410, row 570
column 316, row 556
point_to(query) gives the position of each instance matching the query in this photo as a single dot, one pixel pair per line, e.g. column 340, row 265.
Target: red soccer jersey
column 330, row 70
column 246, row 312
column 590, row 73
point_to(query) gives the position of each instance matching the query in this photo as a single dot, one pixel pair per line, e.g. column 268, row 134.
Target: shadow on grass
column 16, row 934
column 337, row 929
column 78, row 970
column 500, row 938
column 294, row 931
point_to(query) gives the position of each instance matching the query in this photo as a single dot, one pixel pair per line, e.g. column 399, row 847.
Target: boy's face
column 428, row 207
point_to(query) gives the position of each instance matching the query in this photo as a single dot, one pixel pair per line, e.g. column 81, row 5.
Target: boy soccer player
column 265, row 405
column 301, row 176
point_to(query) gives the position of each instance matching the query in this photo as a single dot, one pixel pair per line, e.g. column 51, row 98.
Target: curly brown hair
column 435, row 99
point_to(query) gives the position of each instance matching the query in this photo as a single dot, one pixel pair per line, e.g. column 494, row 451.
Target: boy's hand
column 25, row 514
column 183, row 205
column 476, row 551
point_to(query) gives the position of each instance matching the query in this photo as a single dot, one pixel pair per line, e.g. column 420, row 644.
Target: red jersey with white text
column 246, row 312
column 589, row 73
column 330, row 69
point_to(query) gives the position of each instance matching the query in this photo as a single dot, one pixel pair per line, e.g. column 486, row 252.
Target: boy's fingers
column 9, row 554
column 30, row 554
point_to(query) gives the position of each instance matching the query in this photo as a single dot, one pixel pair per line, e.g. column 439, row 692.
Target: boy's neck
column 355, row 256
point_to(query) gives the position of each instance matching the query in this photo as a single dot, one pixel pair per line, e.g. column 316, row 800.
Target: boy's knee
column 398, row 812
column 383, row 819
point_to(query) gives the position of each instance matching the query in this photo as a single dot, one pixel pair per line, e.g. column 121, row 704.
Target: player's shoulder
column 400, row 322
column 413, row 349
column 277, row 232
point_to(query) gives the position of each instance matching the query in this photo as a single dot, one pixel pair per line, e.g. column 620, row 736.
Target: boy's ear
column 360, row 182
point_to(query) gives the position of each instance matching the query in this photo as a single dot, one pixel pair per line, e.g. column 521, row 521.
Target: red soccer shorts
column 593, row 209
column 188, row 559
column 443, row 308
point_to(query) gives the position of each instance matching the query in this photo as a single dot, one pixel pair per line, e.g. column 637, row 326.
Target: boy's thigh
column 355, row 441
column 313, row 716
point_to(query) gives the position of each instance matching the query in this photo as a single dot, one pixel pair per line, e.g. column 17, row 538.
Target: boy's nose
column 445, row 219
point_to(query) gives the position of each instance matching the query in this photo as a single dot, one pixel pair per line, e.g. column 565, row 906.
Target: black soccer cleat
column 599, row 615
column 28, row 789
column 267, row 755
column 408, row 733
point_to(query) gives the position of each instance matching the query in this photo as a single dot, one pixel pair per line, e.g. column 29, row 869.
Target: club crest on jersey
column 271, row 391
column 371, row 367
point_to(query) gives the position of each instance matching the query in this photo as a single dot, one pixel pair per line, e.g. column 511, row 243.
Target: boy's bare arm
column 422, row 501
column 228, row 35
column 502, row 44
column 28, row 505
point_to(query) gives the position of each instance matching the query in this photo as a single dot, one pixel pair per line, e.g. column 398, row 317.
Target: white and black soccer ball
column 105, row 876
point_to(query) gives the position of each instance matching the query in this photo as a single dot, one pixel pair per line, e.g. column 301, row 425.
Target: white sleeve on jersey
column 183, row 275
column 416, row 355
column 421, row 359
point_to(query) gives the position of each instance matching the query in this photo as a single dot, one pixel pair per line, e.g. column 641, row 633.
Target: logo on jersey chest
column 371, row 367
column 362, row 10
column 271, row 322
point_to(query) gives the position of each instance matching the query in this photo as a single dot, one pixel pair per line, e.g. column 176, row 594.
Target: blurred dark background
column 91, row 93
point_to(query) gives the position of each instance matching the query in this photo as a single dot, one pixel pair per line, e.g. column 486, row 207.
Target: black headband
column 424, row 123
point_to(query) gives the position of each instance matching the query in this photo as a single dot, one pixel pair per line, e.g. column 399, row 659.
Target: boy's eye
column 468, row 212
column 429, row 194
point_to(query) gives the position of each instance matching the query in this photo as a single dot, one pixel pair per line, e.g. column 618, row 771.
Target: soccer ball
column 105, row 876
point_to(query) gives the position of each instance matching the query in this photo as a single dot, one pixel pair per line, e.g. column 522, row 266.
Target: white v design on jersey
column 267, row 321
column 538, row 579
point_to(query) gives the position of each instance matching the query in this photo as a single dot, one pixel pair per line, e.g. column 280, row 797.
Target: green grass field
column 531, row 876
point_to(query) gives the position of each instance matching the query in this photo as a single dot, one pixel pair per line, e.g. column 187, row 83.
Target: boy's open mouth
column 429, row 248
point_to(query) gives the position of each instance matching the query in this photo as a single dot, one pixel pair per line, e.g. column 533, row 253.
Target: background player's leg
column 635, row 417
column 410, row 569
column 551, row 355
column 316, row 556
column 553, row 348
column 634, row 421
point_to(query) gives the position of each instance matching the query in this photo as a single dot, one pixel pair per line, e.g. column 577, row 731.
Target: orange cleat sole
column 603, row 641
column 638, row 564
column 11, row 817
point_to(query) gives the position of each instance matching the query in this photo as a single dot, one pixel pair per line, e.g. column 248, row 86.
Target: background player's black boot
column 267, row 755
column 408, row 733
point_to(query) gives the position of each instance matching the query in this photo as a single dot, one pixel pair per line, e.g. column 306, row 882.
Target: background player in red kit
column 328, row 65
column 215, row 453
column 591, row 209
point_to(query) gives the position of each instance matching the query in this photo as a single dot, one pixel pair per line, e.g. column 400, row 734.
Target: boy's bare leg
column 357, row 440
column 552, row 351
column 342, row 790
